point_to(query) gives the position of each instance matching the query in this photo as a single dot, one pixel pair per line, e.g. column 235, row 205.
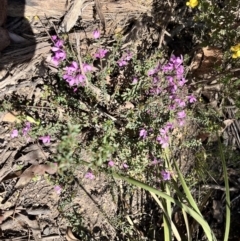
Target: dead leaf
column 126, row 106
column 69, row 235
column 33, row 170
column 33, row 225
column 7, row 167
column 7, row 214
column 31, row 157
column 205, row 60
column 4, row 156
column 8, row 224
column 33, row 147
column 228, row 122
column 217, row 211
column 203, row 136
column 38, row 211
column 12, row 175
column 10, row 117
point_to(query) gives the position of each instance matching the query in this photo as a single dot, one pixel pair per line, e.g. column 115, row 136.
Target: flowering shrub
column 122, row 114
column 27, row 136
column 161, row 102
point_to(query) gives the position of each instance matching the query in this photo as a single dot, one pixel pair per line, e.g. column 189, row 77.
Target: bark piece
column 72, row 15
column 26, row 8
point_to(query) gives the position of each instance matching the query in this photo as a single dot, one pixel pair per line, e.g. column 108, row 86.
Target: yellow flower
column 192, row 3
column 236, row 51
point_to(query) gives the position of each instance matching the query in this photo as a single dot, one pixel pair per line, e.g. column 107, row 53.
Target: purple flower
column 73, row 74
column 181, row 103
column 96, row 34
column 169, row 126
column 173, row 88
column 14, row 133
column 59, row 53
column 125, row 166
column 176, row 60
column 155, row 80
column 172, row 107
column 182, row 82
column 163, row 140
column 89, row 175
column 155, row 161
column 27, row 128
column 45, row 139
column 172, row 96
column 170, row 79
column 70, row 79
column 58, row 189
column 166, row 175
column 135, row 80
column 59, row 56
column 180, row 71
column 80, row 79
column 163, row 131
column 54, row 37
column 181, row 122
column 167, row 67
column 127, row 56
column 191, row 98
column 121, row 62
column 87, row 68
column 181, row 114
column 111, row 163
column 143, row 133
column 59, row 43
column 71, row 68
column 151, row 72
column 101, row 53
column 155, row 91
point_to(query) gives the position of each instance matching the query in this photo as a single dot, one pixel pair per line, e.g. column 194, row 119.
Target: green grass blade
column 167, row 228
column 228, row 211
column 189, row 237
column 186, row 190
column 170, row 223
column 169, row 208
column 190, row 211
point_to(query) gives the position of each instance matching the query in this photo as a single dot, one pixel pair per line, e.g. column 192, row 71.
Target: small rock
column 46, row 231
